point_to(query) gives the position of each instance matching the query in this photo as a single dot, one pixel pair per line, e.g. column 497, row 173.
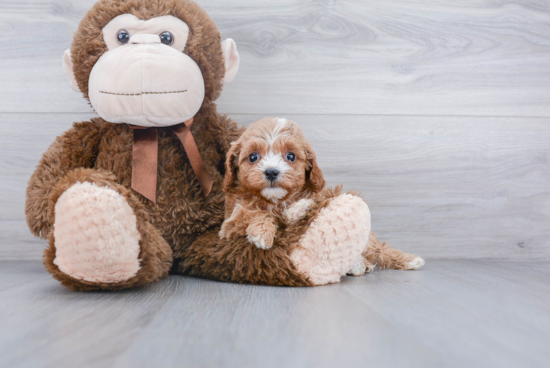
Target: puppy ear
column 314, row 175
column 231, row 166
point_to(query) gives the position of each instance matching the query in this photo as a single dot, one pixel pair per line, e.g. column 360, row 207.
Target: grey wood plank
column 452, row 313
column 405, row 57
column 227, row 325
column 475, row 313
column 45, row 325
column 442, row 187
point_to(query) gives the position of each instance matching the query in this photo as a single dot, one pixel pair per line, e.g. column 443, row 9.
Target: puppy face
column 272, row 160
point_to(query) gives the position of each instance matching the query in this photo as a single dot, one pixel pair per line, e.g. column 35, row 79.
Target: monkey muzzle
column 146, row 83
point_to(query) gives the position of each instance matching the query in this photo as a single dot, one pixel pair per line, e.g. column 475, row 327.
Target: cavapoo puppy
column 277, row 177
column 272, row 180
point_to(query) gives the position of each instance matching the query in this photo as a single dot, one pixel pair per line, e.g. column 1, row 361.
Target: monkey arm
column 76, row 148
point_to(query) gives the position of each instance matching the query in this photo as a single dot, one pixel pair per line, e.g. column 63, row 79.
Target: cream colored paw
column 358, row 269
column 96, row 237
column 334, row 241
column 259, row 241
column 261, row 238
column 298, row 210
column 416, row 263
column 261, row 235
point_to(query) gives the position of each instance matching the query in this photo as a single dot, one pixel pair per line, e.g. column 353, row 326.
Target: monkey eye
column 166, row 38
column 123, row 37
column 253, row 157
column 291, row 157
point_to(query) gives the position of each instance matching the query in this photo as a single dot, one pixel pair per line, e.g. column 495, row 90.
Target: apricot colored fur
column 381, row 254
column 248, row 213
column 240, row 261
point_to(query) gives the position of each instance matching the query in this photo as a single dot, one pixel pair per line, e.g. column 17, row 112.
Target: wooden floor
column 438, row 112
column 459, row 313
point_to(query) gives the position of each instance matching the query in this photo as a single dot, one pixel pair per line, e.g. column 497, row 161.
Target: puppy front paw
column 260, row 241
column 261, row 235
column 298, row 210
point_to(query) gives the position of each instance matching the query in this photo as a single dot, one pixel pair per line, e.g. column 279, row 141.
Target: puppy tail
column 384, row 256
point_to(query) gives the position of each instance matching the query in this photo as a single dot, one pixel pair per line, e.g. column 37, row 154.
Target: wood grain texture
column 459, row 313
column 482, row 57
column 441, row 187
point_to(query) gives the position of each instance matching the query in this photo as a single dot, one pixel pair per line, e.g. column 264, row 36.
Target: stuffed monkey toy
column 126, row 198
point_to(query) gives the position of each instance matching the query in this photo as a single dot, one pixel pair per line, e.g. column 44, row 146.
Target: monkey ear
column 68, row 69
column 231, row 58
column 231, row 166
column 314, row 175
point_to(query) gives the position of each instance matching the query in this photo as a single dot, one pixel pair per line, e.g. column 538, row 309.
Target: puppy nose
column 271, row 174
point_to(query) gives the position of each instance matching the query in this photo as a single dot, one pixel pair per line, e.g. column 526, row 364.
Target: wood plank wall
column 438, row 112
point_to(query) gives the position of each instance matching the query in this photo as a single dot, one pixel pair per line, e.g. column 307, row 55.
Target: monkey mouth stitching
column 142, row 93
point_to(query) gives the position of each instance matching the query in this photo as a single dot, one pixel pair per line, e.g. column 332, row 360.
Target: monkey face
column 145, row 79
column 150, row 64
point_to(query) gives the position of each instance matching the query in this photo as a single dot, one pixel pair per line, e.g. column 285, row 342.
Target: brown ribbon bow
column 145, row 159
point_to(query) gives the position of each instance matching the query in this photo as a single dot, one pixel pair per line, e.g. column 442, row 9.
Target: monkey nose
column 144, row 39
column 271, row 174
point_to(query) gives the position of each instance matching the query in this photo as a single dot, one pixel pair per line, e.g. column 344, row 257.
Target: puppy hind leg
column 360, row 267
column 384, row 256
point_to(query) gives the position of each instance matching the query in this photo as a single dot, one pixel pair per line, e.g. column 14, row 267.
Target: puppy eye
column 253, row 157
column 166, row 38
column 123, row 37
column 291, row 157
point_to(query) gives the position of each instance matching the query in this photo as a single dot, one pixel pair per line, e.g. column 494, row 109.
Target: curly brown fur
column 182, row 212
column 251, row 208
column 108, row 149
column 276, row 136
column 182, row 220
column 240, row 261
column 383, row 256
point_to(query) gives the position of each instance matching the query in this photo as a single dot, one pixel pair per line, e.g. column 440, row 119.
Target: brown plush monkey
column 127, row 197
